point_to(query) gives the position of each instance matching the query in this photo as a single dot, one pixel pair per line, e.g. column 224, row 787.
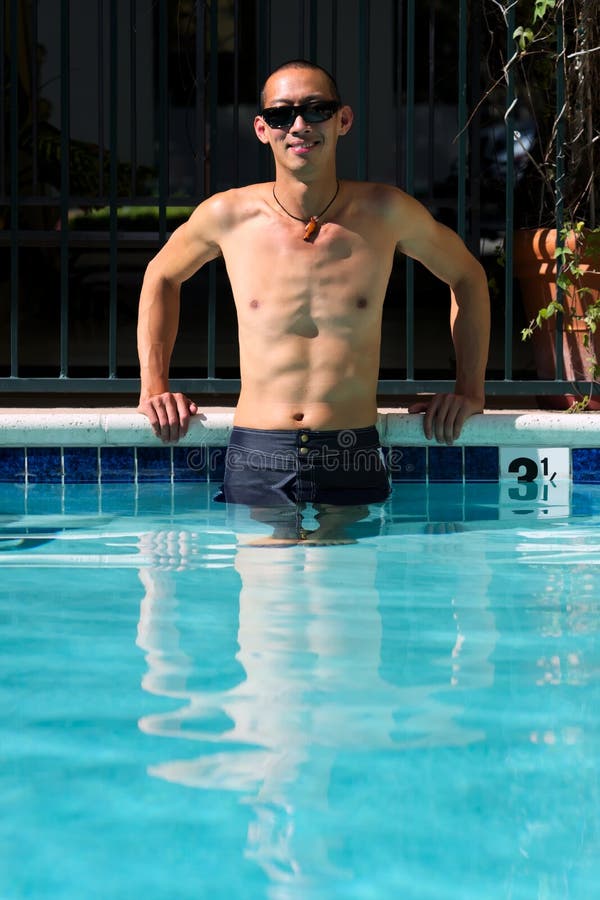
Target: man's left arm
column 442, row 251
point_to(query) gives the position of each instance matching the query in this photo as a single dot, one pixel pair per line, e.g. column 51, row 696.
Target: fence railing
column 120, row 116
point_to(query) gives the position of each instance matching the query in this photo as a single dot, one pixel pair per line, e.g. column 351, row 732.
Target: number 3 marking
column 529, row 465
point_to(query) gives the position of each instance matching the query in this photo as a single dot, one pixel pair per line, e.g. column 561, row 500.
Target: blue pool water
column 185, row 715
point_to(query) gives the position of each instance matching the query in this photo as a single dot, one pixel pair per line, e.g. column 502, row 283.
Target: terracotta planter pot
column 535, row 267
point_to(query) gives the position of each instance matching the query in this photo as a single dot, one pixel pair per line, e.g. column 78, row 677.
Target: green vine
column 577, row 248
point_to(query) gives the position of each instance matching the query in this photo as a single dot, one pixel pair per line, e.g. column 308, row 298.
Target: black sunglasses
column 285, row 116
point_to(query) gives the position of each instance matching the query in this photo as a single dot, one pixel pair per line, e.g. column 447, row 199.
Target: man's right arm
column 189, row 247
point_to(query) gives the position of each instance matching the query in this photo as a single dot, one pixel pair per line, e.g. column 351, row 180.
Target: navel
column 254, row 304
column 361, row 302
column 298, row 416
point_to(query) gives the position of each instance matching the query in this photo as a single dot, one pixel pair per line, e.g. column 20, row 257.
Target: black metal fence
column 119, row 117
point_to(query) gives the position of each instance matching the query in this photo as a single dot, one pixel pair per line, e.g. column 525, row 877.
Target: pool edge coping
column 122, row 427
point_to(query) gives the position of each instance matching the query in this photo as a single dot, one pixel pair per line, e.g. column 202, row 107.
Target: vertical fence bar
column 214, row 97
column 263, row 29
column 65, row 184
column 212, row 320
column 431, row 103
column 399, row 70
column 312, row 31
column 363, row 90
column 133, row 111
column 163, row 119
column 474, row 235
column 236, row 93
column 101, row 113
column 301, row 17
column 3, row 95
column 202, row 159
column 410, row 96
column 263, row 43
column 34, row 99
column 334, row 23
column 461, row 193
column 200, row 167
column 560, row 174
column 410, row 182
column 509, row 132
column 14, row 189
column 214, row 111
column 113, row 188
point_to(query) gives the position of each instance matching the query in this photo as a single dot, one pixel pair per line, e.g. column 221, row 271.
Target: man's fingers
column 445, row 415
column 168, row 419
column 183, row 412
column 152, row 410
column 424, row 406
column 446, row 426
column 441, row 418
column 169, row 415
column 419, row 407
column 433, row 421
column 461, row 417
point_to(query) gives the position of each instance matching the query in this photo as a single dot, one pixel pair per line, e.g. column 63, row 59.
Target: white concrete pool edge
column 127, row 428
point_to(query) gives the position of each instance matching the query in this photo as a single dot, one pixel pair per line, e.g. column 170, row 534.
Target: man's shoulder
column 389, row 204
column 379, row 194
column 227, row 208
column 246, row 192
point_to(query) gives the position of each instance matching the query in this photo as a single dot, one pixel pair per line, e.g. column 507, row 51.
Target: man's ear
column 346, row 119
column 260, row 129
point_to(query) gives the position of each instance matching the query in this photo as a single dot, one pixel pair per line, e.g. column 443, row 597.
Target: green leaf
column 563, row 252
column 541, row 8
column 524, row 36
column 580, row 405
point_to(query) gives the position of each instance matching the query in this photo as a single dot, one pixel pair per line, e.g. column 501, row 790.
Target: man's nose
column 299, row 123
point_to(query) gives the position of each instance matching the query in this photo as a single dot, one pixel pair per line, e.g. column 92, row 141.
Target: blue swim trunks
column 287, row 467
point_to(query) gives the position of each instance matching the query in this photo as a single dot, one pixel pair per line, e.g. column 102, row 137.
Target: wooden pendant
column 311, row 227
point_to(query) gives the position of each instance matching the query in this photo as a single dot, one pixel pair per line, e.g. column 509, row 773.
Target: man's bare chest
column 274, row 253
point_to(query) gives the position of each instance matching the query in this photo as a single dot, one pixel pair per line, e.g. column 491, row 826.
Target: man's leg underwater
column 333, row 521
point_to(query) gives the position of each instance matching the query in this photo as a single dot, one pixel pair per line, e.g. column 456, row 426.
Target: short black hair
column 303, row 64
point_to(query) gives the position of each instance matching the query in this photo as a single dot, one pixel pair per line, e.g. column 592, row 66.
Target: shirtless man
column 309, row 259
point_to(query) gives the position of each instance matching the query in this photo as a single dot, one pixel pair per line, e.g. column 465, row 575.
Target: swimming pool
column 186, row 715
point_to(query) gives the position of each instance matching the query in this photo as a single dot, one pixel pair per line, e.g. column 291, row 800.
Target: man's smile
column 302, row 147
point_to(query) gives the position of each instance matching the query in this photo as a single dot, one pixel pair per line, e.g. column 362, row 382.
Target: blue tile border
column 12, row 464
column 406, row 463
column 216, row 463
column 585, row 465
column 81, row 465
column 190, row 464
column 44, row 465
column 154, row 463
column 445, row 464
column 482, row 464
column 131, row 465
column 117, row 464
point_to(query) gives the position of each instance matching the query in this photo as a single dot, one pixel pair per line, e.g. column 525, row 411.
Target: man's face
column 303, row 144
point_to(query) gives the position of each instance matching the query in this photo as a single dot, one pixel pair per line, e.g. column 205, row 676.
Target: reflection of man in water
column 310, row 689
column 309, row 259
column 294, row 705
